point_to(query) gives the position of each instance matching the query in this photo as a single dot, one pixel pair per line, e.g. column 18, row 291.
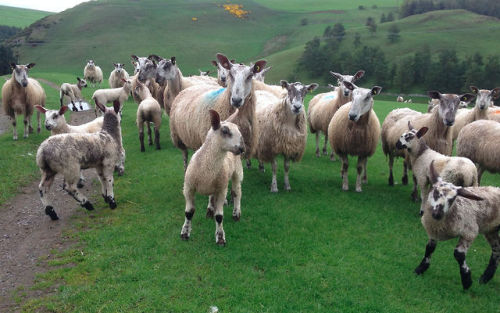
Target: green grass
column 315, row 6
column 314, row 249
column 19, row 17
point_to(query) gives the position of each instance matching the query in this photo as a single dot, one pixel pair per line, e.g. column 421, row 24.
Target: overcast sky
column 43, row 5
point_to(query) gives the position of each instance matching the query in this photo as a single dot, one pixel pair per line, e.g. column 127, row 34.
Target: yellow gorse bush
column 236, row 10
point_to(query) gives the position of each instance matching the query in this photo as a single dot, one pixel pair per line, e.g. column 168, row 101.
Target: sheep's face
column 147, row 71
column 484, row 97
column 55, row 118
column 230, row 138
column 81, row 82
column 221, row 75
column 166, row 70
column 21, row 73
column 449, row 104
column 407, row 140
column 362, row 100
column 240, row 78
column 441, row 198
column 118, row 67
column 347, row 78
column 90, row 64
column 142, row 91
column 296, row 94
column 138, row 63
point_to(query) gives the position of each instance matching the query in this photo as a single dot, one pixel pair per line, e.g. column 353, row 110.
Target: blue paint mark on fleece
column 329, row 97
column 213, row 95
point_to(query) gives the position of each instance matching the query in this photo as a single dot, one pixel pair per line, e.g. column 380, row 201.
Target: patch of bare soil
column 27, row 235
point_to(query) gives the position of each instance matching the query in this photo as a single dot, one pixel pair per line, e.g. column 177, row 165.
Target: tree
column 361, row 7
column 404, row 77
column 390, row 17
column 6, row 57
column 303, row 22
column 393, row 33
column 328, row 32
column 370, row 23
column 313, row 59
column 338, row 32
column 422, row 63
column 383, row 19
column 357, row 40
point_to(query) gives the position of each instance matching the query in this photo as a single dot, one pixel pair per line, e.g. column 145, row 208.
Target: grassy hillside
column 19, row 17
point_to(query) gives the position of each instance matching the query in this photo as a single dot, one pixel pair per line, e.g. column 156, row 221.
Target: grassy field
column 313, row 249
column 18, row 17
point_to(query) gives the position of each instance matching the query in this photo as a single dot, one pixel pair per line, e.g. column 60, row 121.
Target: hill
column 19, row 17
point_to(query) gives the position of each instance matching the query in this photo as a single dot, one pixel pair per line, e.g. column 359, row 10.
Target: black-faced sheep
column 212, row 166
column 453, row 211
column 20, row 94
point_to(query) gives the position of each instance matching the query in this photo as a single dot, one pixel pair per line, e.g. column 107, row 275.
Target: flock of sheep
column 238, row 115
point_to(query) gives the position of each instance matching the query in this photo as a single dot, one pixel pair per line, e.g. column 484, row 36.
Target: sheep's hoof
column 221, row 241
column 236, row 217
column 150, row 143
column 422, row 268
column 210, row 214
column 391, row 181
column 414, row 197
column 274, row 189
column 262, row 169
column 158, row 147
column 466, row 280
column 142, row 149
column 318, row 154
column 80, row 184
column 404, row 180
column 325, row 152
column 38, row 130
column 345, row 187
column 184, row 236
column 87, row 205
column 30, row 130
column 288, row 188
column 112, row 204
column 332, row 158
column 14, row 138
column 358, row 189
column 486, row 277
column 25, row 136
column 49, row 210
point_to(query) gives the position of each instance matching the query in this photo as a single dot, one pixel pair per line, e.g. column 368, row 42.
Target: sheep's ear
column 434, row 175
column 172, row 59
column 40, row 108
column 63, row 109
column 474, row 89
column 115, row 65
column 214, row 63
column 259, row 66
column 13, row 65
column 467, row 97
column 433, row 94
column 154, row 57
column 376, row 90
column 312, row 87
column 223, row 61
column 233, row 61
column 349, row 85
column 208, row 72
column 284, row 84
column 421, row 132
column 124, row 80
column 467, row 194
column 358, row 75
column 78, row 78
column 133, row 56
column 331, row 86
column 495, row 93
column 410, row 126
column 337, row 76
column 266, row 69
column 214, row 119
column 30, row 65
column 116, row 106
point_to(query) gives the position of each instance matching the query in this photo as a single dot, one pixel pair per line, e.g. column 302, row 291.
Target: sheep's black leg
column 391, row 164
column 188, row 213
column 404, row 179
column 249, row 163
column 150, row 138
column 141, row 137
column 14, row 127
column 317, row 144
column 494, row 241
column 460, row 253
column 157, row 138
column 43, row 188
column 426, row 261
column 414, row 194
column 72, row 190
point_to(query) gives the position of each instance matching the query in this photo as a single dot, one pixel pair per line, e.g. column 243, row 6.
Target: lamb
column 261, row 76
column 355, row 130
column 480, row 110
column 67, row 154
column 117, row 76
column 399, row 99
column 212, row 166
column 92, row 73
column 438, row 138
column 457, row 170
column 56, row 123
column 149, row 111
column 453, row 211
column 73, row 92
column 188, row 118
column 19, row 96
column 146, row 72
column 282, row 128
column 103, row 96
column 479, row 142
column 323, row 106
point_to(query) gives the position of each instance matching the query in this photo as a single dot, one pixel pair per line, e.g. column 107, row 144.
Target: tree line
column 483, row 7
column 6, row 54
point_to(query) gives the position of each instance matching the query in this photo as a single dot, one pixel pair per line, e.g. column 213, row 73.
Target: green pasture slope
column 314, row 249
column 19, row 17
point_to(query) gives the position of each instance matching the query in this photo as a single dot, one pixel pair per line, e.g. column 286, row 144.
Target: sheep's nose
column 223, row 79
column 24, row 83
column 449, row 123
column 236, row 102
column 352, row 117
column 437, row 215
column 399, row 145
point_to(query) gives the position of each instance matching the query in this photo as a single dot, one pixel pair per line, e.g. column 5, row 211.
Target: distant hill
column 19, row 17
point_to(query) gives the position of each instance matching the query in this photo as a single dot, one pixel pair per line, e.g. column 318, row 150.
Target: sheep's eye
column 249, row 77
column 226, row 131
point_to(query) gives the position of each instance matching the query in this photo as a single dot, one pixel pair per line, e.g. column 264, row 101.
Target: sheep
column 149, row 111
column 103, row 96
column 432, row 104
column 355, row 130
column 67, row 154
column 116, row 76
column 92, row 73
column 221, row 73
column 73, row 91
column 479, row 142
column 452, row 211
column 480, row 110
column 19, row 96
column 282, row 128
column 212, row 166
column 457, row 170
column 204, row 73
column 56, row 123
column 261, row 75
column 399, row 99
column 438, row 138
column 188, row 119
column 323, row 106
column 145, row 72
column 494, row 114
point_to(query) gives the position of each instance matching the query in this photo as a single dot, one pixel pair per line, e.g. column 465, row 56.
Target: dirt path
column 27, row 234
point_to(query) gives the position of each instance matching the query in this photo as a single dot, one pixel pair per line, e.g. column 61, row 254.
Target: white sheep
column 457, row 170
column 261, row 76
column 212, row 166
column 452, row 211
column 355, row 130
column 221, row 73
column 282, row 128
column 480, row 142
column 399, row 99
column 149, row 111
column 323, row 106
column 117, row 75
column 103, row 96
column 73, row 92
column 20, row 94
column 67, row 154
column 92, row 73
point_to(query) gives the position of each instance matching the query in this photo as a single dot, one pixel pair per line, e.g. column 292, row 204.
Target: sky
column 43, row 5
